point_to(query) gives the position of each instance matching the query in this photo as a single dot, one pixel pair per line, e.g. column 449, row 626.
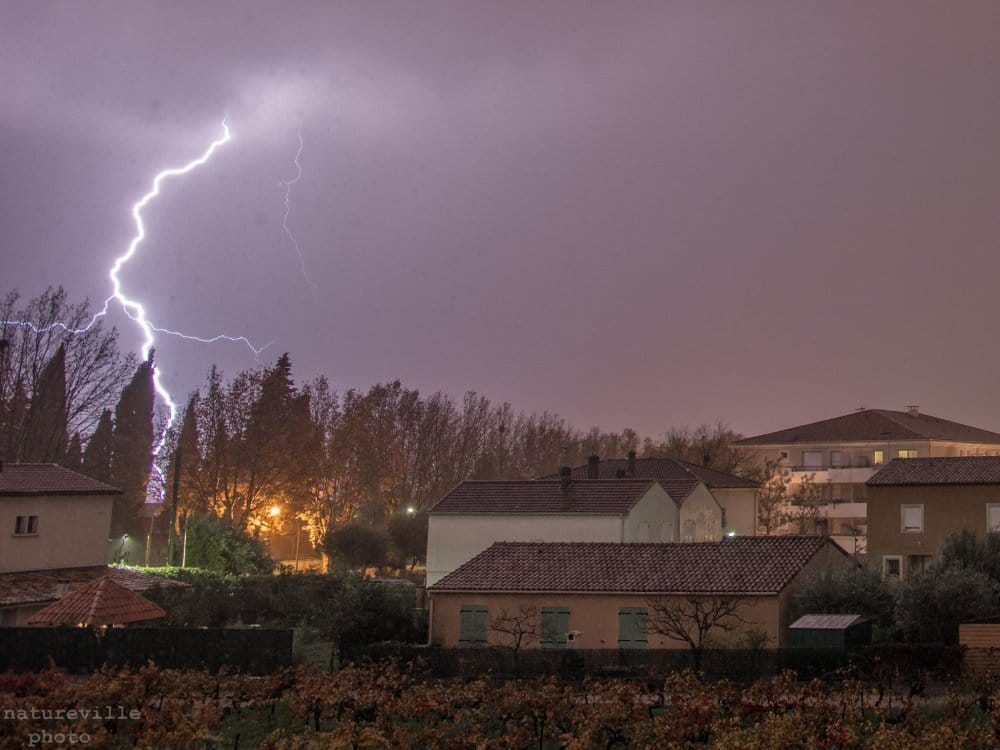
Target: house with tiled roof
column 475, row 514
column 842, row 453
column 737, row 496
column 54, row 526
column 601, row 595
column 913, row 505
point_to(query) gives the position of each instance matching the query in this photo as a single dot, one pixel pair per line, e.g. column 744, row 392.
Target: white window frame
column 992, row 507
column 902, row 518
column 782, row 455
column 885, row 566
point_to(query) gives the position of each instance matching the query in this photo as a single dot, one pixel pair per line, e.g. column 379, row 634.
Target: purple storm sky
column 631, row 214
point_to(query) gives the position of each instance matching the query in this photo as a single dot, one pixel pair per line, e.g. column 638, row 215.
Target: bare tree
column 95, row 370
column 519, row 628
column 772, row 497
column 802, row 511
column 691, row 618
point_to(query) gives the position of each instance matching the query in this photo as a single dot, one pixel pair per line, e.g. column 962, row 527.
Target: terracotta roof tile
column 100, row 602
column 535, row 496
column 952, row 470
column 744, row 565
column 49, row 479
column 664, row 469
column 40, row 586
column 875, row 425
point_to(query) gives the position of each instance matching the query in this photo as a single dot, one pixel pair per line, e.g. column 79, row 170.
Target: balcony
column 840, row 474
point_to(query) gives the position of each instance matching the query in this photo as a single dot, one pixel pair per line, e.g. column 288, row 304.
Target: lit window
column 892, row 566
column 912, row 518
column 878, row 457
column 907, row 454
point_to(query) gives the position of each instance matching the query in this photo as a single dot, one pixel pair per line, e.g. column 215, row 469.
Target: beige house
column 604, row 595
column 735, row 495
column 841, row 454
column 54, row 526
column 476, row 514
column 914, row 505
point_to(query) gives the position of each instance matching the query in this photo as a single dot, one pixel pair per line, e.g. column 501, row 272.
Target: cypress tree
column 45, row 438
column 132, row 450
column 73, row 457
column 97, row 454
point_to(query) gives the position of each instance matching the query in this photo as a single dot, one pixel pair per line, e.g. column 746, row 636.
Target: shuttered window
column 913, row 518
column 632, row 627
column 993, row 517
column 555, row 626
column 473, row 624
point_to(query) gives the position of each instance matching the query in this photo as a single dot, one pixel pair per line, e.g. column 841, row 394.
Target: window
column 812, row 459
column 912, row 518
column 782, row 455
column 632, row 627
column 555, row 627
column 473, row 624
column 838, row 458
column 907, row 454
column 917, row 563
column 892, row 566
column 878, row 457
column 24, row 525
column 993, row 516
column 688, row 531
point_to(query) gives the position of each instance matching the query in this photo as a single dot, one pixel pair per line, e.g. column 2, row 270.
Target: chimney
column 631, row 464
column 594, row 466
column 565, row 478
column 913, row 410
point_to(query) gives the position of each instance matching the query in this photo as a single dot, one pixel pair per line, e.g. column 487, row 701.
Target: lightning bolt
column 284, row 221
column 135, row 310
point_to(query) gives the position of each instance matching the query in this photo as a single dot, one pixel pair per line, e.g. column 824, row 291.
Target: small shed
column 831, row 631
column 100, row 602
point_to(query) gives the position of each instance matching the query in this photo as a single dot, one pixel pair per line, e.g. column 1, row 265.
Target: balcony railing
column 827, row 467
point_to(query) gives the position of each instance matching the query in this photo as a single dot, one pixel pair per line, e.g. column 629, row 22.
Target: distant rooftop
column 664, row 469
column 744, row 565
column 952, row 470
column 875, row 425
column 49, row 479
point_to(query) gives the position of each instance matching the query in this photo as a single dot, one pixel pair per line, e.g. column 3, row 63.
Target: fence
column 249, row 650
column 923, row 662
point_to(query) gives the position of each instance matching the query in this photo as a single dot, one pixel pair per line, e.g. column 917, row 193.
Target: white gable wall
column 700, row 517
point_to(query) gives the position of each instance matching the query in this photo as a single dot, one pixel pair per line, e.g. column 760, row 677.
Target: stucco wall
column 594, row 615
column 700, row 517
column 72, row 532
column 946, row 509
column 453, row 539
column 741, row 510
column 653, row 518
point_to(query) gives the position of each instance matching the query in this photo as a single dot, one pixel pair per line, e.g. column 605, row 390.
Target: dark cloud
column 650, row 215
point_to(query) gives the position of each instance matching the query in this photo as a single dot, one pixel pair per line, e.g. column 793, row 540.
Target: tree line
column 259, row 450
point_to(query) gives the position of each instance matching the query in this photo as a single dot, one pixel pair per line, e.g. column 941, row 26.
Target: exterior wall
column 946, row 509
column 700, row 517
column 16, row 617
column 453, row 539
column 740, row 506
column 595, row 616
column 72, row 532
column 653, row 518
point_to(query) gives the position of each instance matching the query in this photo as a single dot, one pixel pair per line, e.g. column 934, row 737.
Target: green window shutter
column 555, row 627
column 472, row 626
column 632, row 627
